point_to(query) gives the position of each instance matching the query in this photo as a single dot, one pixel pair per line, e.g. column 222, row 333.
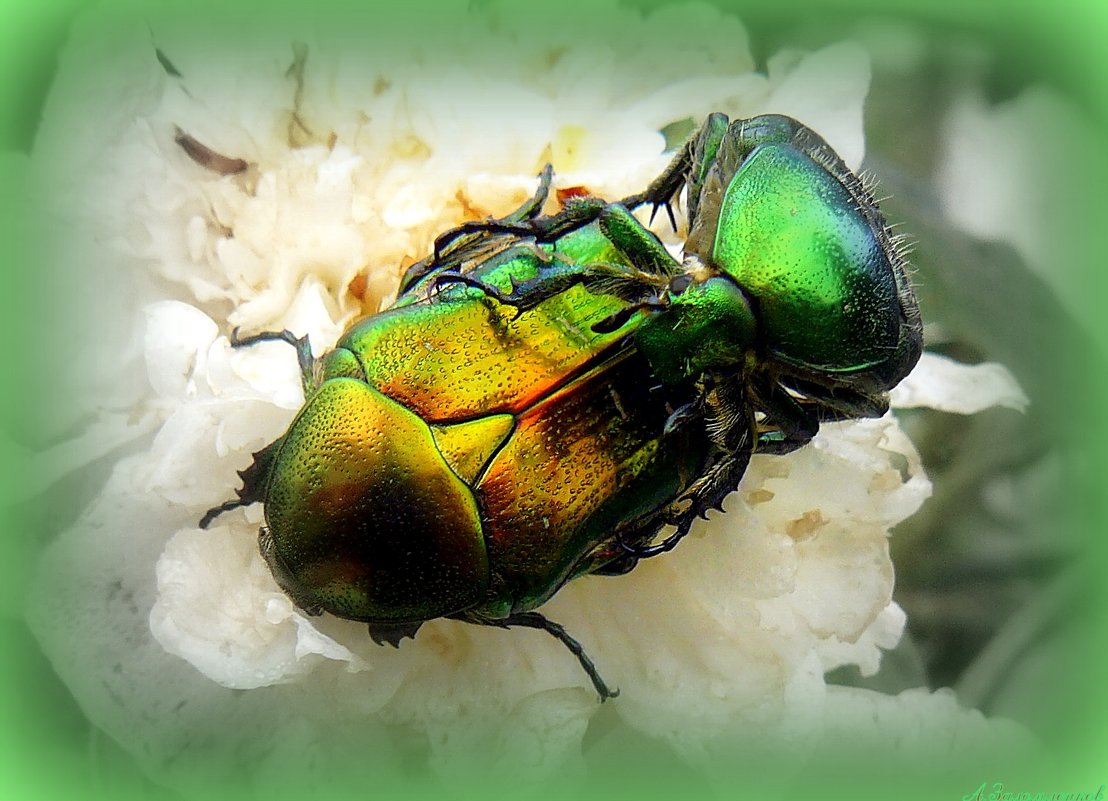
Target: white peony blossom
column 177, row 641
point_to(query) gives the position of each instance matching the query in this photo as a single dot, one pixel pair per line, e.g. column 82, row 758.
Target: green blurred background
column 1002, row 572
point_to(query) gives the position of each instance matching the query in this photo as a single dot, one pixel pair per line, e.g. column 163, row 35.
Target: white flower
column 356, row 158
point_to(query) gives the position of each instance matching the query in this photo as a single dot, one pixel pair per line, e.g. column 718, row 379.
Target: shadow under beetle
column 549, row 393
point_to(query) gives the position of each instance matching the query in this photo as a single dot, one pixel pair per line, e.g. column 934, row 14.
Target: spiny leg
column 663, row 189
column 720, row 481
column 690, row 162
column 533, row 620
column 254, row 475
column 729, row 423
column 688, row 166
column 576, row 214
column 393, row 633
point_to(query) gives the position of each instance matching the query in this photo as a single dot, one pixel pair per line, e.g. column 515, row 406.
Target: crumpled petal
column 939, row 382
column 255, row 637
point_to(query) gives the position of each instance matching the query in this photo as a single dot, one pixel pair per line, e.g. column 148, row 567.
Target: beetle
column 550, row 394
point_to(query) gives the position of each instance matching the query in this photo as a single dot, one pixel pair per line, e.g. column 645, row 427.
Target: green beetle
column 549, row 393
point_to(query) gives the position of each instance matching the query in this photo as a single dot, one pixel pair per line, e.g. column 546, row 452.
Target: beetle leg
column 688, row 166
column 663, row 189
column 514, row 223
column 619, row 565
column 253, row 477
column 708, row 493
column 730, row 426
column 839, row 403
column 791, row 420
column 636, row 242
column 303, row 351
column 533, row 205
column 524, row 222
column 601, row 278
column 533, row 620
column 652, row 264
column 779, row 443
column 447, row 244
column 501, row 297
column 699, row 149
column 576, row 214
column 788, row 423
column 216, row 511
column 454, row 242
column 616, row 320
column 638, row 552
